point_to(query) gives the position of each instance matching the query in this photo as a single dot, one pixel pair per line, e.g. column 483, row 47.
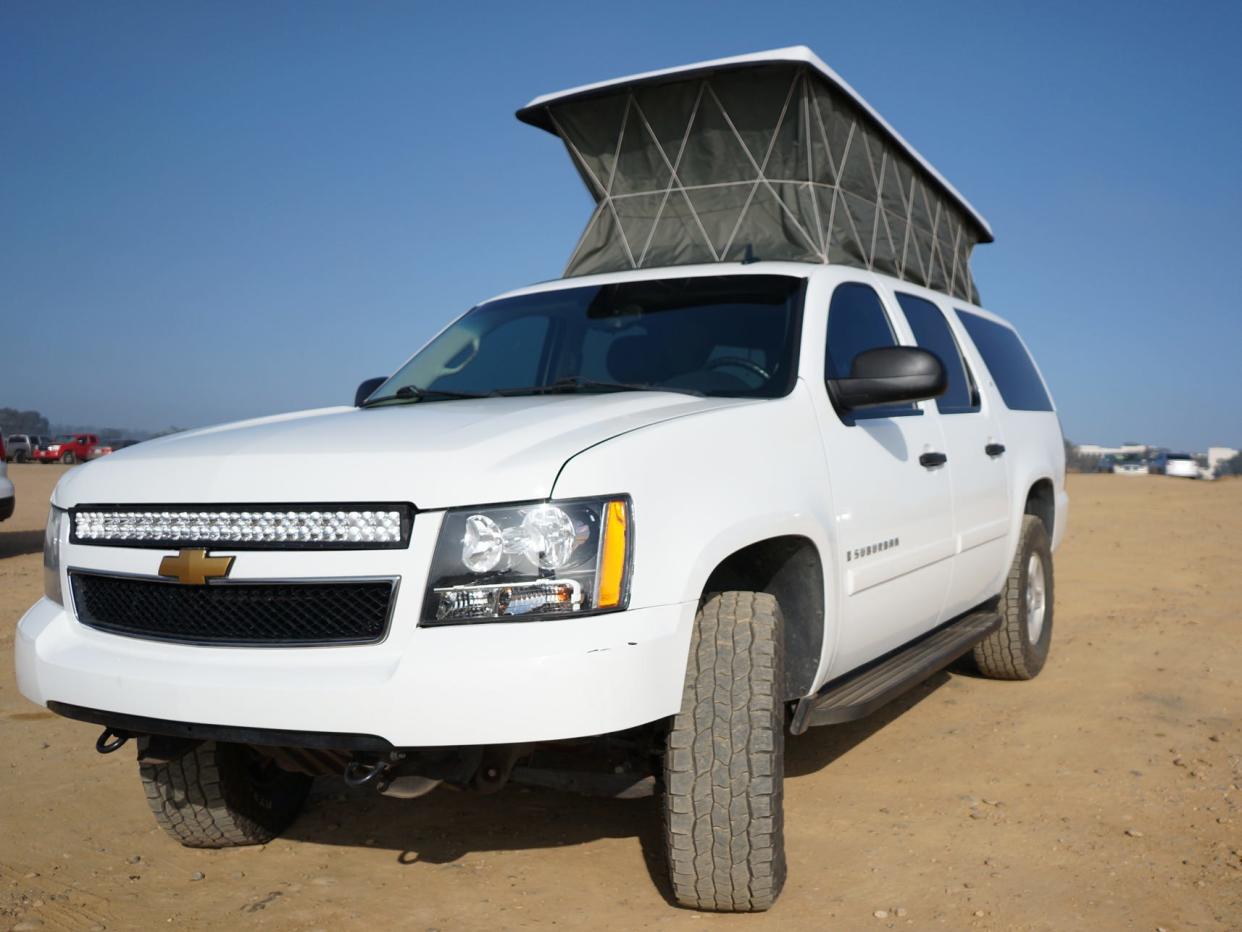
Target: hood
column 435, row 454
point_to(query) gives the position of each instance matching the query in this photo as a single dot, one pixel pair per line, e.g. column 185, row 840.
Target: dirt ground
column 1103, row 795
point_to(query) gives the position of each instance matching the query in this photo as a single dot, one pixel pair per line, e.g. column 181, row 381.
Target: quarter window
column 932, row 333
column 1011, row 366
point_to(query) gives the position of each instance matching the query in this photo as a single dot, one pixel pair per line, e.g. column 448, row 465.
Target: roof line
column 535, row 112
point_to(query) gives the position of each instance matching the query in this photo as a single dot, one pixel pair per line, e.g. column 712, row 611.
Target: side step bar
column 861, row 692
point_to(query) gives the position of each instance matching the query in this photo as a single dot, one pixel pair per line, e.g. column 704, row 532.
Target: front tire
column 1018, row 649
column 725, row 758
column 223, row 796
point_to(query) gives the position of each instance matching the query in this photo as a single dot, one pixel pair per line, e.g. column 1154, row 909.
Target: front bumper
column 482, row 684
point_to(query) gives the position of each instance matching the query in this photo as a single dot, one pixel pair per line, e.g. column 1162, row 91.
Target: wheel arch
column 1041, row 501
column 788, row 567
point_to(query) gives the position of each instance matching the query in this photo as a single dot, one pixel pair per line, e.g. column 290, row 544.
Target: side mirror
column 367, row 388
column 890, row 375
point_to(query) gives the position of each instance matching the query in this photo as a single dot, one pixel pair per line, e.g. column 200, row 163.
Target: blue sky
column 215, row 210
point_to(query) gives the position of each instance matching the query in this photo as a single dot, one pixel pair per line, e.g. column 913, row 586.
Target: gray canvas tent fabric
column 766, row 161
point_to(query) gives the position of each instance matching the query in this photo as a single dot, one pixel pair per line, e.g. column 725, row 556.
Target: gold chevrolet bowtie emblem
column 193, row 567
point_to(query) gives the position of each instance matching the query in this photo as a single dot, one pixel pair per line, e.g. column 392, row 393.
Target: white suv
column 691, row 509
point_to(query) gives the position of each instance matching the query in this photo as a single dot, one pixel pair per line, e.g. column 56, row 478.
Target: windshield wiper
column 414, row 393
column 577, row 383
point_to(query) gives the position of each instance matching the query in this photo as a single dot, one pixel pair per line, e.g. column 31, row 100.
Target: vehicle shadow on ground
column 809, row 753
column 19, row 543
column 447, row 824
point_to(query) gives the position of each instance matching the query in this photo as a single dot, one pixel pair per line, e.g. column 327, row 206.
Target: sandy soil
column 1103, row 795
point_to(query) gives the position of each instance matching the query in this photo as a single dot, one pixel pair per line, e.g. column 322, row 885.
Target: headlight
column 530, row 561
column 51, row 555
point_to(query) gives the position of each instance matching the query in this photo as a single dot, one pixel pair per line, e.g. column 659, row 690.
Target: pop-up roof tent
column 763, row 156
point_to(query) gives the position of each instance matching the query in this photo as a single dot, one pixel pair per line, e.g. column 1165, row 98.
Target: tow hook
column 358, row 773
column 109, row 740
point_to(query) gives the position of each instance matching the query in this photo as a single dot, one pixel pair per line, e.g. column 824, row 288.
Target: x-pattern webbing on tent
column 922, row 240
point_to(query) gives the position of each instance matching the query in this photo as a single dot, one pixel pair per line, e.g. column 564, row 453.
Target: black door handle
column 931, row 460
column 994, row 449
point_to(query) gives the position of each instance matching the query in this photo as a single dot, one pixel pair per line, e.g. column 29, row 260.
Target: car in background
column 17, row 447
column 1106, row 463
column 7, row 497
column 21, row 448
column 1181, row 465
column 72, row 448
column 1130, row 465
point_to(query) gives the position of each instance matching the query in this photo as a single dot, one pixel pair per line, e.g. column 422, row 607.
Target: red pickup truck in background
column 71, row 448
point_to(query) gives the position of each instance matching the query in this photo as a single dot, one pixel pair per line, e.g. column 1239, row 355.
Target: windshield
column 732, row 336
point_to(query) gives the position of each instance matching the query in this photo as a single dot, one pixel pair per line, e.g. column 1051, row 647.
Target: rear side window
column 932, row 333
column 1010, row 364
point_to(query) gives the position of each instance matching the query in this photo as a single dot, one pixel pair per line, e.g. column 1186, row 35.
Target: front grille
column 262, row 614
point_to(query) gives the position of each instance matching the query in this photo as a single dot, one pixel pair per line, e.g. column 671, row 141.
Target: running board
column 861, row 692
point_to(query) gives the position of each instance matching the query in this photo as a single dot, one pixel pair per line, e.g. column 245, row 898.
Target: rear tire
column 68, row 459
column 223, row 796
column 724, row 760
column 1018, row 649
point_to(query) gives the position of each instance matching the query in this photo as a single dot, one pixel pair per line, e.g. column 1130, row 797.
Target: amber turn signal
column 612, row 559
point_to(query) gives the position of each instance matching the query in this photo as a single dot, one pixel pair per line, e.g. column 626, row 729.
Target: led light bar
column 245, row 527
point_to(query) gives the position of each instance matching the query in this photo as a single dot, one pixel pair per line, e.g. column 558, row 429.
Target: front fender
column 710, row 484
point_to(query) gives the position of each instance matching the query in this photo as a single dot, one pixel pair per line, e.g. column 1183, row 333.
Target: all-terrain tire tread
column 724, row 762
column 1005, row 654
column 199, row 799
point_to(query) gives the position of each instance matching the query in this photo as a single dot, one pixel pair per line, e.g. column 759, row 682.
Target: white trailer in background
column 1218, row 455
